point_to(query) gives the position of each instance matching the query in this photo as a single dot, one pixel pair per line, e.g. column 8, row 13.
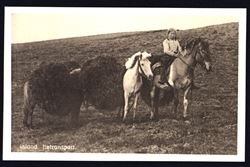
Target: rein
column 189, row 66
column 142, row 72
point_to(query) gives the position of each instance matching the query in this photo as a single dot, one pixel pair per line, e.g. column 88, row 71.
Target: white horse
column 137, row 66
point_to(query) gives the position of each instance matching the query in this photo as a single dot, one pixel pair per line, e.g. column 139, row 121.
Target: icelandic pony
column 181, row 77
column 55, row 88
column 137, row 66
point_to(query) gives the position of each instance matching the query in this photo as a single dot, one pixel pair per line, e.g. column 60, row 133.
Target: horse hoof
column 154, row 118
column 124, row 121
column 186, row 120
column 74, row 125
column 25, row 124
column 173, row 115
column 30, row 127
column 119, row 117
column 175, row 121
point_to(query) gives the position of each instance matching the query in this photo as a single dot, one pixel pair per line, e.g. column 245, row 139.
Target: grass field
column 213, row 127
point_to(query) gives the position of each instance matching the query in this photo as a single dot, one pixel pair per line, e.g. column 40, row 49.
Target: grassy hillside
column 213, row 128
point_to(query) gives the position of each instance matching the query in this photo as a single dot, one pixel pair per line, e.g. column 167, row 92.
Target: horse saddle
column 157, row 68
column 156, row 65
column 159, row 63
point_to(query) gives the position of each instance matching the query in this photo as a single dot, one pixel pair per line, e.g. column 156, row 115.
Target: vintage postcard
column 124, row 84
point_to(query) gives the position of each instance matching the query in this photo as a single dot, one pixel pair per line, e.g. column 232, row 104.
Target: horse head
column 203, row 54
column 143, row 63
column 199, row 48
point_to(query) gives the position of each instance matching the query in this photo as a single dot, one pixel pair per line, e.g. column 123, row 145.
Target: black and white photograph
column 124, row 84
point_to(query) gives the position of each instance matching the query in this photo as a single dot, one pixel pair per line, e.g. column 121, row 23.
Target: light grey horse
column 137, row 66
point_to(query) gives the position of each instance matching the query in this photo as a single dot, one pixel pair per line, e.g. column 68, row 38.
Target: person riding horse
column 172, row 49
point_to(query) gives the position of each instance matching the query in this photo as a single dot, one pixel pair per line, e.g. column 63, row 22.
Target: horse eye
column 142, row 64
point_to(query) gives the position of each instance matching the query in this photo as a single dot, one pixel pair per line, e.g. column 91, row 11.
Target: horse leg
column 28, row 112
column 152, row 96
column 134, row 106
column 176, row 102
column 28, row 106
column 156, row 103
column 74, row 120
column 86, row 105
column 120, row 112
column 126, row 105
column 186, row 100
column 75, row 107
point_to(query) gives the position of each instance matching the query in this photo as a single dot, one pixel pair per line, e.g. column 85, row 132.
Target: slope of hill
column 213, row 128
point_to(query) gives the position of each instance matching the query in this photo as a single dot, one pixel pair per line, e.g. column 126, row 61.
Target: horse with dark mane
column 181, row 76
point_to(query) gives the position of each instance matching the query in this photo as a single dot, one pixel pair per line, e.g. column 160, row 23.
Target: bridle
column 142, row 72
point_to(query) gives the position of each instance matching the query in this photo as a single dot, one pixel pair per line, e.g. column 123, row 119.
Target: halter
column 142, row 72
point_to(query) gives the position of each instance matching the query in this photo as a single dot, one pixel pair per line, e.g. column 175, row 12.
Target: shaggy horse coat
column 101, row 82
column 53, row 89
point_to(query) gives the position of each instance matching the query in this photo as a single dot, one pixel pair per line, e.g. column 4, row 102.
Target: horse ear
column 190, row 43
column 167, row 31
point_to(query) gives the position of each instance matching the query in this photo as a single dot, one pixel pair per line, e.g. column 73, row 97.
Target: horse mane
column 190, row 42
column 131, row 61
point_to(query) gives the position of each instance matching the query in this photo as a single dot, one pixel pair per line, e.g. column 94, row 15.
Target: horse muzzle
column 150, row 77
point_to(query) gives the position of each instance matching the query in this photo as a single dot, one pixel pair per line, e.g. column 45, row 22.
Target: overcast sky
column 54, row 23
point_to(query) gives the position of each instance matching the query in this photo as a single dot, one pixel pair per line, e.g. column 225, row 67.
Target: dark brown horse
column 181, row 76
